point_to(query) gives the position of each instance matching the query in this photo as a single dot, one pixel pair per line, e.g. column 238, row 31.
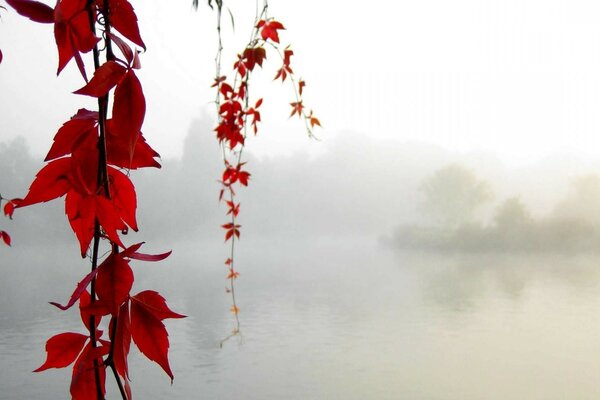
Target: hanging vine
column 238, row 116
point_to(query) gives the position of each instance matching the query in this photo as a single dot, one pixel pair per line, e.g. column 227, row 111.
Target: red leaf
column 109, row 218
column 81, row 212
column 254, row 56
column 123, row 19
column 51, row 182
column 73, row 133
column 62, row 350
column 122, row 341
column 129, row 109
column 114, row 282
column 9, row 207
column 150, row 336
column 72, row 32
column 131, row 252
column 87, row 309
column 123, row 196
column 119, row 153
column 1, row 56
column 297, row 108
column 301, row 85
column 105, row 78
column 124, row 47
column 83, row 380
column 79, row 289
column 5, row 237
column 155, row 304
column 268, row 30
column 33, row 10
column 232, row 274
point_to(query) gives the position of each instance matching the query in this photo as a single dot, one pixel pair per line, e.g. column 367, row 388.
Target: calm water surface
column 339, row 319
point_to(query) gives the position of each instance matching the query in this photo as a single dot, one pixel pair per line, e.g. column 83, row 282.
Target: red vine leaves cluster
column 238, row 116
column 89, row 164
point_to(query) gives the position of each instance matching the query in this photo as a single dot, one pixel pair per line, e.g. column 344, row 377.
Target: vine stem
column 260, row 13
column 103, row 185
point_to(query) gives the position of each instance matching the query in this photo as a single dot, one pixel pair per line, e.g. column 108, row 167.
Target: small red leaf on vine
column 51, row 182
column 62, row 350
column 83, row 380
column 129, row 109
column 233, row 208
column 301, row 85
column 232, row 274
column 149, row 334
column 5, row 237
column 114, row 281
column 268, row 29
column 72, row 133
column 105, row 78
column 156, row 304
column 297, row 108
column 34, row 10
column 72, row 33
column 79, row 289
column 232, row 229
column 122, row 341
column 123, row 19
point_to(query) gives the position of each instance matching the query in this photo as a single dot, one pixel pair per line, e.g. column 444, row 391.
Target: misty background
column 440, row 242
column 381, row 257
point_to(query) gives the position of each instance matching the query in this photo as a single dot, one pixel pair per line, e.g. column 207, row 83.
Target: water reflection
column 350, row 320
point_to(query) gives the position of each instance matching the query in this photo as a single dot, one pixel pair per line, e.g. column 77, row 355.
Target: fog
column 369, row 261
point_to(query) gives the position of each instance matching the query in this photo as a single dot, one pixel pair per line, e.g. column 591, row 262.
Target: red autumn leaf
column 72, row 32
column 5, row 237
column 232, row 274
column 123, row 19
column 9, row 207
column 297, row 108
column 149, row 335
column 243, row 177
column 233, row 208
column 109, row 218
column 128, row 112
column 119, row 152
column 123, row 196
column 87, row 309
column 313, row 120
column 218, row 81
column 268, row 29
column 1, row 56
column 62, row 350
column 114, row 282
column 84, row 166
column 255, row 56
column 105, row 78
column 83, row 380
column 81, row 212
column 301, row 85
column 155, row 304
column 33, row 10
column 122, row 341
column 79, row 289
column 51, row 182
column 132, row 252
column 232, row 229
column 73, row 133
column 124, row 47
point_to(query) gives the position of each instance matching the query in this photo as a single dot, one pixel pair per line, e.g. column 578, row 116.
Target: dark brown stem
column 103, row 186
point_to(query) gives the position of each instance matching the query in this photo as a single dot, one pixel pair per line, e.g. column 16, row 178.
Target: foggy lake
column 337, row 318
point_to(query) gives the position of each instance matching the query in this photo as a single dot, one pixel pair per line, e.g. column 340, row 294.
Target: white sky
column 519, row 78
